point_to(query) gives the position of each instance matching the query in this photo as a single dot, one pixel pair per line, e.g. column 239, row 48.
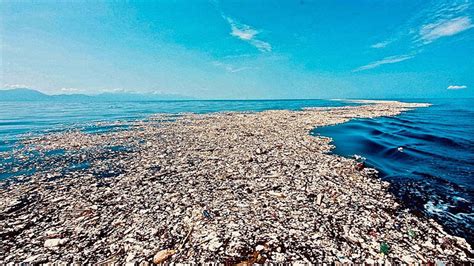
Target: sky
column 243, row 49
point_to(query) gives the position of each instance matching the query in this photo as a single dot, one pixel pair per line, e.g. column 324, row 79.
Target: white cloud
column 443, row 28
column 231, row 68
column 157, row 92
column 457, row 87
column 438, row 18
column 380, row 44
column 70, row 90
column 386, row 60
column 235, row 70
column 115, row 90
column 248, row 34
column 15, row 86
column 241, row 31
column 261, row 45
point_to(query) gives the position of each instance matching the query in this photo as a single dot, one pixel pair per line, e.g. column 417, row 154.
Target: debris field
column 231, row 188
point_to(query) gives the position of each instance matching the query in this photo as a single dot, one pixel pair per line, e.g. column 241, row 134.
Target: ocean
column 426, row 154
column 38, row 117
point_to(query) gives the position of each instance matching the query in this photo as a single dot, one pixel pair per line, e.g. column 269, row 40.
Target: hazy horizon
column 241, row 50
column 180, row 97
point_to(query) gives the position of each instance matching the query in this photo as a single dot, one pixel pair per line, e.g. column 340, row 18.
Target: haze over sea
column 432, row 173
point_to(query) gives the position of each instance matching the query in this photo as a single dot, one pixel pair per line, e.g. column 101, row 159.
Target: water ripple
column 427, row 154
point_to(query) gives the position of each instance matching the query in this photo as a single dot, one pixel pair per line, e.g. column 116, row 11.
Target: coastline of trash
column 224, row 187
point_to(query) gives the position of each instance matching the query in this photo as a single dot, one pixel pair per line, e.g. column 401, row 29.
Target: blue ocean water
column 37, row 117
column 426, row 154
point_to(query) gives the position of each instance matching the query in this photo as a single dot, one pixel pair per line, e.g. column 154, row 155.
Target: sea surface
column 426, row 154
column 38, row 117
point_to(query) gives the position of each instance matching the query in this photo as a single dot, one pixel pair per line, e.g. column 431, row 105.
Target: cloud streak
column 248, row 34
column 70, row 90
column 384, row 61
column 380, row 45
column 457, row 87
column 441, row 19
column 232, row 69
column 432, row 31
column 15, row 86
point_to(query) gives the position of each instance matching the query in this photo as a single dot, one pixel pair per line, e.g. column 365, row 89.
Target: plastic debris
column 411, row 233
column 384, row 248
column 154, row 186
column 163, row 255
column 206, row 214
column 319, row 199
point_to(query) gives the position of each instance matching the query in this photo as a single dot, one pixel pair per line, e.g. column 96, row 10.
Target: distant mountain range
column 25, row 94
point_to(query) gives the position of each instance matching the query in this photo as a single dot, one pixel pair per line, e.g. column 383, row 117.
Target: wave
column 427, row 154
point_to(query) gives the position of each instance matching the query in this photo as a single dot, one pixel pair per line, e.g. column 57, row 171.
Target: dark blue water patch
column 55, row 152
column 78, row 166
column 119, row 148
column 104, row 174
column 22, row 172
column 427, row 154
column 104, row 128
column 27, row 163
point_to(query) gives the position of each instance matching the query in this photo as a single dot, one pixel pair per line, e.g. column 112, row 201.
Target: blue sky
column 241, row 49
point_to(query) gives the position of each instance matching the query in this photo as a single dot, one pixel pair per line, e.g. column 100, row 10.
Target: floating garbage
column 206, row 214
column 222, row 187
column 359, row 158
column 163, row 255
column 360, row 166
column 411, row 233
column 384, row 248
